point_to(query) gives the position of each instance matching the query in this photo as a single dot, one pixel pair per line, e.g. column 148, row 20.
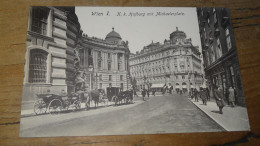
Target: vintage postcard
column 130, row 70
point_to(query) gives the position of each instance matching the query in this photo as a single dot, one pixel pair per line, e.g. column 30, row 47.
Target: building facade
column 109, row 58
column 219, row 51
column 51, row 36
column 176, row 62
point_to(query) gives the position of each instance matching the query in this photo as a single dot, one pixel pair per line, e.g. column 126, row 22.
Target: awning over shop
column 184, row 86
column 177, row 86
column 157, row 85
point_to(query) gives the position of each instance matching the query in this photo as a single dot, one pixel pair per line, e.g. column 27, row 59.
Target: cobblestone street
column 159, row 114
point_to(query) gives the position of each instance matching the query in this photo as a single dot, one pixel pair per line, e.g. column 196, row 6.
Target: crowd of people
column 218, row 95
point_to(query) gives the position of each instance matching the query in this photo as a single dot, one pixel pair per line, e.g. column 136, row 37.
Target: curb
column 223, row 126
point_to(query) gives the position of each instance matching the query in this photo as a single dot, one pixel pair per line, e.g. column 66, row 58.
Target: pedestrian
column 203, row 96
column 143, row 93
column 208, row 95
column 147, row 91
column 153, row 92
column 191, row 94
column 196, row 95
column 171, row 88
column 219, row 99
column 231, row 96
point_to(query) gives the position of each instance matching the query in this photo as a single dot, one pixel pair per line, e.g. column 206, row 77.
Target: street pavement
column 159, row 114
column 232, row 119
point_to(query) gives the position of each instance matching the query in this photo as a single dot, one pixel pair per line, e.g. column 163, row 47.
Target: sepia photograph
column 130, row 70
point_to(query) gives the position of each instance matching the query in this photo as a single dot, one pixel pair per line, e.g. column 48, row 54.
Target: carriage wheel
column 55, row 106
column 39, row 107
column 76, row 105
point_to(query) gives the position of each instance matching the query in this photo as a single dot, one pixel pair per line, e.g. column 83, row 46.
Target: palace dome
column 177, row 34
column 113, row 36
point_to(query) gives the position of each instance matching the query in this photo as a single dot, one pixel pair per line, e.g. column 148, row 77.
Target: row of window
column 109, row 63
column 110, row 85
column 156, row 56
column 110, row 77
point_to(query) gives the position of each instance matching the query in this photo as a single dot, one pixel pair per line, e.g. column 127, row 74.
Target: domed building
column 109, row 59
column 176, row 62
column 113, row 37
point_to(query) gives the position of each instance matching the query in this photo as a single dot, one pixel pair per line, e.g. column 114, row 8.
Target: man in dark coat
column 219, row 99
column 109, row 92
column 196, row 95
column 171, row 88
column 143, row 93
column 153, row 92
column 203, row 96
column 147, row 91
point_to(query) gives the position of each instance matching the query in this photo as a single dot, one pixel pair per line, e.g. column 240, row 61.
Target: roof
column 113, row 34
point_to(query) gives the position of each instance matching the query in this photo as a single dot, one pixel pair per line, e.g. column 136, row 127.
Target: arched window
column 38, row 66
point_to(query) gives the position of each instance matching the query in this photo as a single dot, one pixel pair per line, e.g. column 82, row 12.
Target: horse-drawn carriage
column 55, row 103
column 119, row 97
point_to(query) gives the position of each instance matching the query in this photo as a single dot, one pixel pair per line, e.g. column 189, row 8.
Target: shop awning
column 184, row 86
column 157, row 85
column 177, row 86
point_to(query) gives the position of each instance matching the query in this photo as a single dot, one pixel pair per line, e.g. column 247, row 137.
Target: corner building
column 51, row 35
column 219, row 51
column 176, row 62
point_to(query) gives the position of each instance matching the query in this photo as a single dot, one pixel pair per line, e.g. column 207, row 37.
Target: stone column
column 116, row 61
column 123, row 62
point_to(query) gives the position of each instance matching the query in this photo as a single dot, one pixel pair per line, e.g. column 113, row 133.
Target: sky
column 139, row 25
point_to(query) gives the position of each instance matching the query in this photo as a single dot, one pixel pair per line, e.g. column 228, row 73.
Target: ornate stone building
column 176, row 62
column 109, row 58
column 219, row 50
column 51, row 36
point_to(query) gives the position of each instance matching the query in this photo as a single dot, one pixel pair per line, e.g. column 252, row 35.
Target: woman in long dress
column 231, row 96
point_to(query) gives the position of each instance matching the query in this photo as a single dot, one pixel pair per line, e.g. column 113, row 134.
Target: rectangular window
column 176, row 77
column 121, row 77
column 99, row 64
column 99, row 54
column 183, row 77
column 228, row 39
column 110, row 77
column 110, row 84
column 38, row 66
column 212, row 54
column 100, row 85
column 100, row 77
column 122, row 86
column 215, row 18
column 109, row 56
column 219, row 48
column 109, row 65
column 39, row 20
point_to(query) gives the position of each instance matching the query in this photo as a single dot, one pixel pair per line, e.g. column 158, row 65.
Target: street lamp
column 90, row 69
column 96, row 80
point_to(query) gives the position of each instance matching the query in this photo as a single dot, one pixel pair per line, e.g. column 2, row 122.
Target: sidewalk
column 232, row 119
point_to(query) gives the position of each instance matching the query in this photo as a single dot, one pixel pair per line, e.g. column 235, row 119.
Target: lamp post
column 96, row 76
column 90, row 69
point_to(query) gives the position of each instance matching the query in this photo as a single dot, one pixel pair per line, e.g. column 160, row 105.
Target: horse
column 124, row 95
column 89, row 96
